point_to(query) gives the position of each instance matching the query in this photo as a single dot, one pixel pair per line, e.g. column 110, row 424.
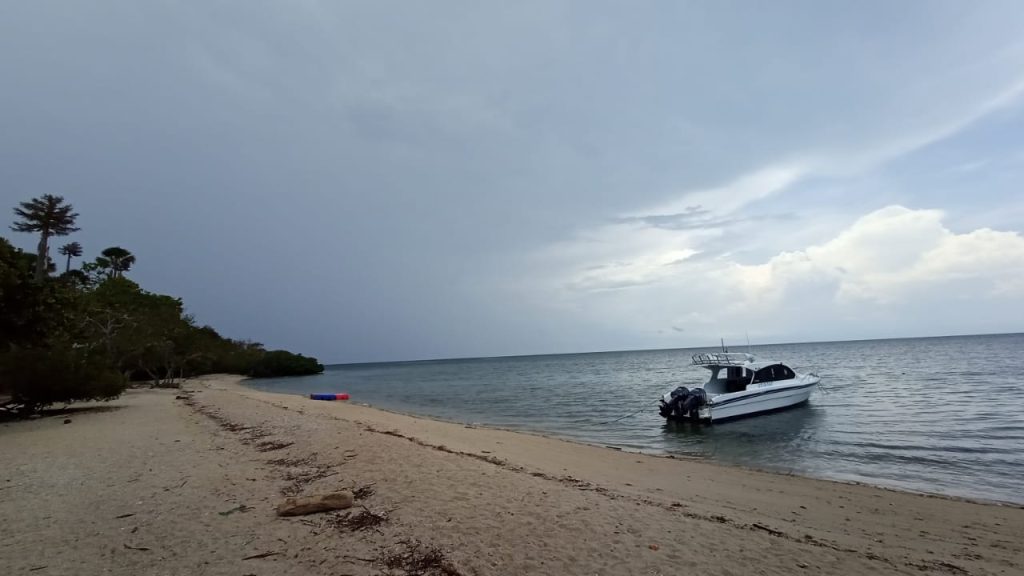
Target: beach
column 186, row 482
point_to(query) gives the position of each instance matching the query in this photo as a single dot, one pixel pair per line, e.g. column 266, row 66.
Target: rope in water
column 622, row 417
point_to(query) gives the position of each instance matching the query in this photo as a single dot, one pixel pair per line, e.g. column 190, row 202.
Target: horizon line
column 508, row 356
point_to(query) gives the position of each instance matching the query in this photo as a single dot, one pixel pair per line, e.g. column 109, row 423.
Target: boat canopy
column 712, row 360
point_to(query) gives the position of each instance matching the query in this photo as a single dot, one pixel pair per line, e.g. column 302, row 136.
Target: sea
column 938, row 415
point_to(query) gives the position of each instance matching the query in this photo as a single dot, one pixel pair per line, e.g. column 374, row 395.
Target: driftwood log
column 313, row 504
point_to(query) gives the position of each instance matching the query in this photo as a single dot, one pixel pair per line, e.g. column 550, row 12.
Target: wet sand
column 152, row 484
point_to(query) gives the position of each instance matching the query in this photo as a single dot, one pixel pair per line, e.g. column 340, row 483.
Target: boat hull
column 752, row 402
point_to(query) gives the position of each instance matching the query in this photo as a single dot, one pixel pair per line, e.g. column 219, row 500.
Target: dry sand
column 151, row 484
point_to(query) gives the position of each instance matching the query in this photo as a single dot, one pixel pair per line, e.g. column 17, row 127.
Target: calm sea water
column 942, row 415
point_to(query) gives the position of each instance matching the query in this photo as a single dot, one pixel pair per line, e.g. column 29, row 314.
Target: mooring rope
column 623, row 417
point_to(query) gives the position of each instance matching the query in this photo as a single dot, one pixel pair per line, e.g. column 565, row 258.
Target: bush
column 283, row 363
column 43, row 376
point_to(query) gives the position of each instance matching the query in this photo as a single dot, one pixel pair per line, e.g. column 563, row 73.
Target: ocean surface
column 942, row 415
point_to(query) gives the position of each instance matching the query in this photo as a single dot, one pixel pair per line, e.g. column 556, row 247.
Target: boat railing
column 722, row 359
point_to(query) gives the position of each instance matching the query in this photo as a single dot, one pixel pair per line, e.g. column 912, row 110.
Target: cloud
column 892, row 254
column 712, row 207
column 363, row 183
column 852, row 162
column 626, row 255
column 643, row 247
column 731, row 197
column 875, row 274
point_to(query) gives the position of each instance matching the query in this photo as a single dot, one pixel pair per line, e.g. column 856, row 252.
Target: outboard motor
column 691, row 407
column 676, row 398
column 683, row 402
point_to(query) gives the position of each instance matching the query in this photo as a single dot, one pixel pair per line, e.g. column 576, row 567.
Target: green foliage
column 284, row 363
column 31, row 313
column 82, row 335
column 149, row 336
column 76, row 278
column 48, row 213
column 71, row 250
column 49, row 216
column 117, row 260
column 112, row 263
column 43, row 376
column 139, row 332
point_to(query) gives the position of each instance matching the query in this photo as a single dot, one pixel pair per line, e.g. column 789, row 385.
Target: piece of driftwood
column 313, row 504
column 771, row 531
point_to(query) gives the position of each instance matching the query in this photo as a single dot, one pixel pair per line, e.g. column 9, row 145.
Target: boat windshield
column 727, row 379
column 773, row 373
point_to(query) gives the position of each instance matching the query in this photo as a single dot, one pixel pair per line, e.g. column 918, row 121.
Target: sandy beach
column 186, row 482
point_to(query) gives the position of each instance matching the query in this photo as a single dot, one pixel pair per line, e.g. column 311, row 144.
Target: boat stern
column 684, row 404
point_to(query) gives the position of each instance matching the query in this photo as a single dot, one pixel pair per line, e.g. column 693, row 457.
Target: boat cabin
column 736, row 374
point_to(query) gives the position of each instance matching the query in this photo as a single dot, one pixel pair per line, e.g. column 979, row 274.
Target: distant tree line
column 86, row 333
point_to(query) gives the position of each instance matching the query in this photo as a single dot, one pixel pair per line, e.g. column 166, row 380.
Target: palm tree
column 49, row 216
column 117, row 259
column 71, row 250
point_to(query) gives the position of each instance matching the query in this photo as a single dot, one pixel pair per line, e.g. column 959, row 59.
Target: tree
column 39, row 377
column 31, row 313
column 71, row 250
column 131, row 326
column 85, row 334
column 117, row 260
column 283, row 363
column 49, row 216
column 38, row 323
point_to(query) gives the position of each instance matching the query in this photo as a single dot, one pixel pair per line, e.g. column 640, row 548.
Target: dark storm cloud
column 367, row 180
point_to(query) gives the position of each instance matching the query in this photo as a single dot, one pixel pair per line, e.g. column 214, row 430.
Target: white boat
column 740, row 385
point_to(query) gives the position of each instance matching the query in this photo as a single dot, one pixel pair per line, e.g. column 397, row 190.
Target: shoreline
column 709, row 460
column 164, row 481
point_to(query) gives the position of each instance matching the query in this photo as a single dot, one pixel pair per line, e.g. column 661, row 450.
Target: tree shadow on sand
column 63, row 412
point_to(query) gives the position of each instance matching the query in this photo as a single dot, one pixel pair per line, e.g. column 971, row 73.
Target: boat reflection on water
column 771, row 440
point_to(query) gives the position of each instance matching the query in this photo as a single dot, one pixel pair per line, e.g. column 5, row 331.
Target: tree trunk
column 67, row 268
column 152, row 375
column 41, row 251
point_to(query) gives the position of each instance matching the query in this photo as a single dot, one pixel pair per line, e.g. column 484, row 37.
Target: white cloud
column 644, row 269
column 893, row 253
column 621, row 255
column 881, row 258
column 875, row 273
column 647, row 246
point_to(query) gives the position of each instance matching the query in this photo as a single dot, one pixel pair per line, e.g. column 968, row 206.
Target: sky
column 371, row 181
